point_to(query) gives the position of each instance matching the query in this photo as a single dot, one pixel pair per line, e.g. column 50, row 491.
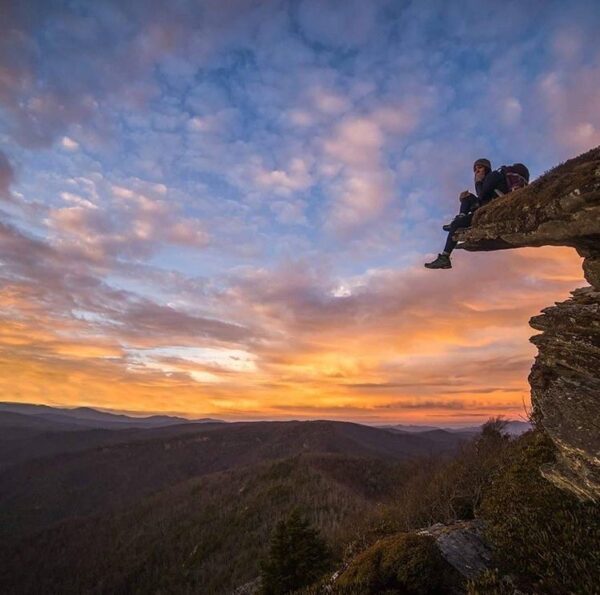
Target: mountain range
column 95, row 501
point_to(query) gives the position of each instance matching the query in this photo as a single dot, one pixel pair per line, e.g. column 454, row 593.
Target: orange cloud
column 396, row 346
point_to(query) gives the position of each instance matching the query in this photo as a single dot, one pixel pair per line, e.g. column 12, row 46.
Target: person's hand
column 464, row 194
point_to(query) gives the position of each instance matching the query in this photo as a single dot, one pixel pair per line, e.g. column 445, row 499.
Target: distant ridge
column 512, row 427
column 87, row 417
column 29, row 431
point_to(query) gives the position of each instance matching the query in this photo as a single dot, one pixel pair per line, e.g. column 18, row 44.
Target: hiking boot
column 441, row 262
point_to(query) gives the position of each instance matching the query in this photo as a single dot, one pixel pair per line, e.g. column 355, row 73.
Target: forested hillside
column 183, row 508
column 186, row 509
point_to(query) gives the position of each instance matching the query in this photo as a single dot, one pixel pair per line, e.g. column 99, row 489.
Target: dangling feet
column 441, row 262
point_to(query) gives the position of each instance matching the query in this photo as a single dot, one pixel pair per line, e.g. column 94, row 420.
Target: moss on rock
column 402, row 563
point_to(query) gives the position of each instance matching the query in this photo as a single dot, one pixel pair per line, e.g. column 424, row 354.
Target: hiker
column 488, row 185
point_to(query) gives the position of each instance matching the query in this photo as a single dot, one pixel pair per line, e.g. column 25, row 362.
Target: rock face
column 565, row 389
column 562, row 208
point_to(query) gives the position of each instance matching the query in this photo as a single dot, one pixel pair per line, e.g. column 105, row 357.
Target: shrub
column 544, row 536
column 446, row 491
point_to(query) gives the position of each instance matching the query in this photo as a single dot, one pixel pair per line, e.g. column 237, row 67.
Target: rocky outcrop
column 565, row 389
column 562, row 208
column 463, row 546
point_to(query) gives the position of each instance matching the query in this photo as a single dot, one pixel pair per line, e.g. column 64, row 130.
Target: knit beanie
column 483, row 161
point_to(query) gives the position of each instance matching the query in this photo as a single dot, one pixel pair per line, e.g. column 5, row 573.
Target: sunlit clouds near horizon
column 222, row 209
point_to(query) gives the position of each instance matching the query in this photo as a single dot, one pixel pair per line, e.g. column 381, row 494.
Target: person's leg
column 450, row 244
column 468, row 204
column 458, row 223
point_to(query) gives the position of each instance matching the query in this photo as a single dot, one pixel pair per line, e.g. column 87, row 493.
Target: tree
column 297, row 557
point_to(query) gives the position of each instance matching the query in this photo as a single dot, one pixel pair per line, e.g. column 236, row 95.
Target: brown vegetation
column 402, row 563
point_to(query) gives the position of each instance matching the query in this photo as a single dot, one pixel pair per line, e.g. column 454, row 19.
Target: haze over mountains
column 78, row 417
column 30, row 431
column 93, row 418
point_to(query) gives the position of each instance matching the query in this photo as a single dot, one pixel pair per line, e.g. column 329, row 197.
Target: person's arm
column 486, row 190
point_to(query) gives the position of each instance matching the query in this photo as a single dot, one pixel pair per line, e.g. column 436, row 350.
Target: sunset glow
column 223, row 210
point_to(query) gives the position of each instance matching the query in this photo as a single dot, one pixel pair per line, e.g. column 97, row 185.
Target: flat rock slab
column 463, row 546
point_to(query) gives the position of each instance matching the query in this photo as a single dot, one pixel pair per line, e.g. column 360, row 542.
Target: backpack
column 516, row 176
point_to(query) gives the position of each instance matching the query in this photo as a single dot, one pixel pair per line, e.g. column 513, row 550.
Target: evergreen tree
column 298, row 556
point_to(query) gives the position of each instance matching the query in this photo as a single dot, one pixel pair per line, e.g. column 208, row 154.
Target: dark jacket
column 486, row 189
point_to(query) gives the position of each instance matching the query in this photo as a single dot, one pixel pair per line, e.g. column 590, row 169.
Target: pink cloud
column 571, row 98
column 285, row 182
column 118, row 221
column 362, row 184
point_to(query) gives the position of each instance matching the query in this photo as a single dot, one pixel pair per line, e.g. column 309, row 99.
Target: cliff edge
column 561, row 208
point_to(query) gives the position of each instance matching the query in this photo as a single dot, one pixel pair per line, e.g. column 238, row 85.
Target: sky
column 223, row 208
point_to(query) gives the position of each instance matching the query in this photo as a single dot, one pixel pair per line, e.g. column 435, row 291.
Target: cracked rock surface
column 565, row 389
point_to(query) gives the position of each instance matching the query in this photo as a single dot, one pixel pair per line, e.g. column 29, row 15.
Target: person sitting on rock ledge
column 488, row 185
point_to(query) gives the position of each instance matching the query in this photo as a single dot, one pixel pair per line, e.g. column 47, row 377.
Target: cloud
column 69, row 144
column 337, row 23
column 266, row 177
column 391, row 330
column 86, row 60
column 121, row 222
column 363, row 183
column 571, row 98
column 341, row 353
column 282, row 182
column 43, row 278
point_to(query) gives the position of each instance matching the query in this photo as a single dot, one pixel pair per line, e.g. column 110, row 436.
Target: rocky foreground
column 561, row 208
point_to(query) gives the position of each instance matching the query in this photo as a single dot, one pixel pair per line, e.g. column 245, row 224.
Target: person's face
column 479, row 172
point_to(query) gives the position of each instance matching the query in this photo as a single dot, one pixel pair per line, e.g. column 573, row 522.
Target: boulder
column 463, row 546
